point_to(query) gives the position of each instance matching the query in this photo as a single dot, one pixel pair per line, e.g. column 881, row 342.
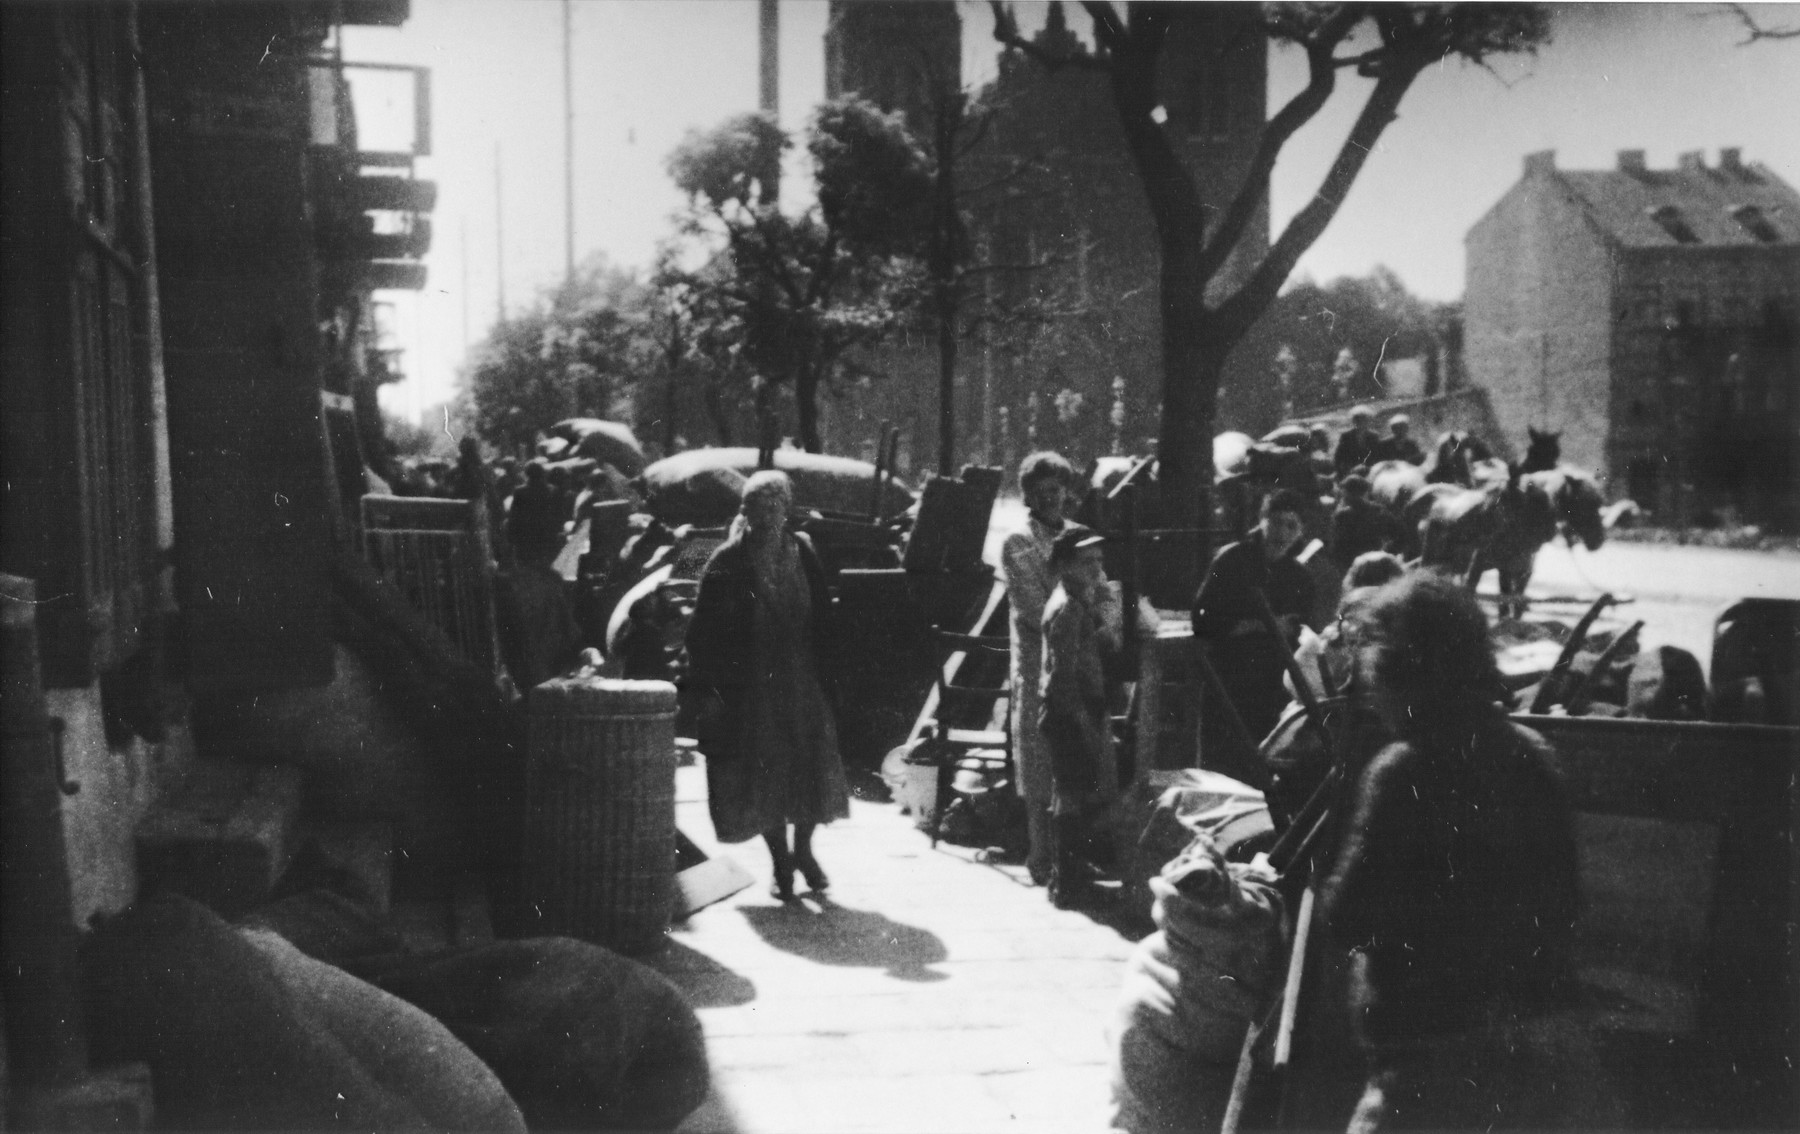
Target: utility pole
column 499, row 244
column 768, row 26
column 568, row 143
column 462, row 227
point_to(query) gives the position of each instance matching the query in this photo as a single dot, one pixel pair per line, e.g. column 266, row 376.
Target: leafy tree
column 789, row 294
column 698, row 345
column 578, row 352
column 1326, row 343
column 1389, row 43
column 408, row 438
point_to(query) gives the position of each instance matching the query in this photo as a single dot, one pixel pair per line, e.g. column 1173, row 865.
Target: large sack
column 701, row 486
column 598, row 440
column 1191, row 990
column 584, row 1039
column 1163, row 811
column 1666, row 684
column 243, row 1032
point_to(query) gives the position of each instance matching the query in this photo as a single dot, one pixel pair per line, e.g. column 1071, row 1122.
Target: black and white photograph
column 899, row 566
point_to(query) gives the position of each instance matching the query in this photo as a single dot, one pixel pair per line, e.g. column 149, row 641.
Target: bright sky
column 1664, row 78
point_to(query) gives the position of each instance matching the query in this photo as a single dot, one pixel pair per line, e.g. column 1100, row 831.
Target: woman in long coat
column 1045, row 480
column 766, row 725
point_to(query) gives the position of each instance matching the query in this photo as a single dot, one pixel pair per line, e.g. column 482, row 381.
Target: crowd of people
column 1451, row 889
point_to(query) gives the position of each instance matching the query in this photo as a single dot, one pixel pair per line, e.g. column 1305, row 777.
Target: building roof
column 1731, row 203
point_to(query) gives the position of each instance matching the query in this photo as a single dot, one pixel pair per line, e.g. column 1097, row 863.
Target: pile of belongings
column 1191, row 990
column 1611, row 676
column 311, row 1014
column 703, row 486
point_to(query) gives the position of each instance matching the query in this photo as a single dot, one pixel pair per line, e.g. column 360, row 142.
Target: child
column 1081, row 621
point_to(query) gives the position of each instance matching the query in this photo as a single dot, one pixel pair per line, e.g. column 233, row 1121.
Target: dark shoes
column 1072, row 889
column 1072, row 879
column 814, row 875
column 782, row 889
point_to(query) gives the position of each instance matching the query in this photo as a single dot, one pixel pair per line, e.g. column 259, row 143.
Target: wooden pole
column 499, row 245
column 568, row 141
column 1547, row 688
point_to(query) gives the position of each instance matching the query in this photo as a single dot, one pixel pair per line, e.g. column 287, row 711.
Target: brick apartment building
column 1653, row 317
column 192, row 242
column 1078, row 205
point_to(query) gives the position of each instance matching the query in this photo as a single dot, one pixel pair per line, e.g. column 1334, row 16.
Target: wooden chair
column 962, row 711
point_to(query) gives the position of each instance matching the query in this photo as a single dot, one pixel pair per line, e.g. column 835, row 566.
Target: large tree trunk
column 715, row 409
column 806, row 409
column 1193, row 360
column 1190, row 383
column 945, row 238
column 946, row 331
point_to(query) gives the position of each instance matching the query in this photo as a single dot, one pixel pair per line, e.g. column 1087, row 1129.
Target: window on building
column 1672, row 222
column 1750, row 218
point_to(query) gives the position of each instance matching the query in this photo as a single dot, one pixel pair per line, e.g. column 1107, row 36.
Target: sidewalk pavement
column 928, row 991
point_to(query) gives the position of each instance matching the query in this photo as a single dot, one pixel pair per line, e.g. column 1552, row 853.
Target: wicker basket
column 599, row 848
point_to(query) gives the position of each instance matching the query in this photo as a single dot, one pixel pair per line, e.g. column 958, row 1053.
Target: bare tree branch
column 981, row 121
column 1109, row 30
column 1296, row 113
column 991, row 266
column 1754, row 31
column 1019, row 169
column 1237, row 313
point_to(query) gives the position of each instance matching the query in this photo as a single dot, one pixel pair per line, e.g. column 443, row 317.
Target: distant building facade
column 1653, row 317
column 897, row 54
column 1052, row 183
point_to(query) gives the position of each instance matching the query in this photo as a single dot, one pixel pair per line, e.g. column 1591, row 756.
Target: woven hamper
column 599, row 848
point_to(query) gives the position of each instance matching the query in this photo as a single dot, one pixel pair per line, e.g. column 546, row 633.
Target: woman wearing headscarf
column 766, row 725
column 1454, row 889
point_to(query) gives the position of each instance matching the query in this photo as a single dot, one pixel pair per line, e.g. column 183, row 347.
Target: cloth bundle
column 1191, row 990
column 257, row 1027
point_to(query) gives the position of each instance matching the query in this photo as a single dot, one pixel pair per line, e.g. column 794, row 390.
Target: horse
column 1543, row 451
column 1453, row 461
column 1401, row 488
column 1502, row 526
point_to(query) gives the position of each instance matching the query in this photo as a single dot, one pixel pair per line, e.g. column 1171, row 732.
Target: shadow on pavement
column 836, row 935
column 705, row 982
column 714, row 1116
column 1111, row 909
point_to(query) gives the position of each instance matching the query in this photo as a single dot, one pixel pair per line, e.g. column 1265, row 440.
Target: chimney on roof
column 1731, row 159
column 1544, row 161
column 1694, row 161
column 1631, row 161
